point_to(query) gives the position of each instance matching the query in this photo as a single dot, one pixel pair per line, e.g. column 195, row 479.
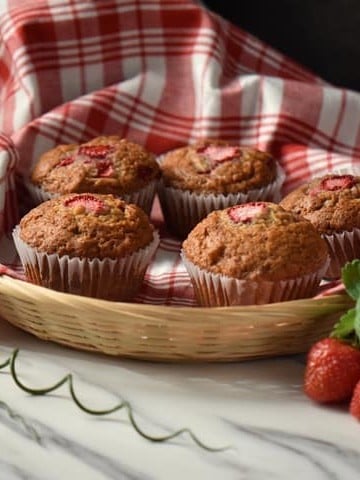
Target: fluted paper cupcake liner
column 183, row 209
column 110, row 279
column 143, row 198
column 343, row 247
column 215, row 290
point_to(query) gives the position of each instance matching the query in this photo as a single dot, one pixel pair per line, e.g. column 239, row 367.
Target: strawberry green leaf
column 357, row 322
column 351, row 278
column 345, row 326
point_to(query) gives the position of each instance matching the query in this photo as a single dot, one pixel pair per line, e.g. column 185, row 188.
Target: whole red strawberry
column 332, row 371
column 355, row 402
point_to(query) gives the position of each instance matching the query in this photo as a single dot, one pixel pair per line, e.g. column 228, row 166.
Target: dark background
column 323, row 35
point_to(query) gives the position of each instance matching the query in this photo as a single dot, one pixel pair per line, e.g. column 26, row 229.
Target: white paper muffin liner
column 343, row 247
column 215, row 290
column 143, row 198
column 37, row 194
column 183, row 209
column 111, row 279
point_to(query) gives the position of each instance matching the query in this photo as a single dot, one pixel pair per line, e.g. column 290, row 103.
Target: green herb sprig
column 11, row 361
column 347, row 328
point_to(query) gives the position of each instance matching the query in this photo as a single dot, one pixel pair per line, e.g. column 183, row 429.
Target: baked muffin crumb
column 215, row 166
column 330, row 202
column 106, row 164
column 258, row 240
column 86, row 225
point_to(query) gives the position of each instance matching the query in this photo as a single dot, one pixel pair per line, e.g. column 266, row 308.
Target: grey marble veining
column 258, row 408
column 321, row 459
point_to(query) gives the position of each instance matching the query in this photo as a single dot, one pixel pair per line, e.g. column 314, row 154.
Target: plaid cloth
column 162, row 73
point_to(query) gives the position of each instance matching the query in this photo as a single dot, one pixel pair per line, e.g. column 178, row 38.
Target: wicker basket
column 175, row 334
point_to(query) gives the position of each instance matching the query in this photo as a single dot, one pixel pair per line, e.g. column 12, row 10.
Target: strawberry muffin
column 332, row 204
column 87, row 244
column 213, row 175
column 254, row 253
column 106, row 165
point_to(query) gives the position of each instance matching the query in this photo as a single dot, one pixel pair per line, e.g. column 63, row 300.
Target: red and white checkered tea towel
column 162, row 73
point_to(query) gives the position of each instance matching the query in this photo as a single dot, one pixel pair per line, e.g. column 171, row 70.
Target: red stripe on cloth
column 177, row 85
column 8, row 199
column 8, row 90
column 11, row 211
column 335, row 132
column 4, row 270
column 297, row 130
column 293, row 107
column 109, row 27
column 142, row 61
column 180, row 293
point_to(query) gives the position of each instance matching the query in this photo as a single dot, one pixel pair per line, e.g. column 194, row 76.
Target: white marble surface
column 257, row 407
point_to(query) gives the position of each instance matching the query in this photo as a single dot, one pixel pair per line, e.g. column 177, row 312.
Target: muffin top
column 330, row 202
column 107, row 164
column 86, row 225
column 256, row 241
column 215, row 166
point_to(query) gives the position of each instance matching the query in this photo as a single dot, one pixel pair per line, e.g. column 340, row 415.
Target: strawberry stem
column 347, row 328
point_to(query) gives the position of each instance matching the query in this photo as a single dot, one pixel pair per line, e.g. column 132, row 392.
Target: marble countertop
column 255, row 407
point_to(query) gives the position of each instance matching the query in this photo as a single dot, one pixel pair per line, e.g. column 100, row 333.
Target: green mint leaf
column 350, row 274
column 346, row 324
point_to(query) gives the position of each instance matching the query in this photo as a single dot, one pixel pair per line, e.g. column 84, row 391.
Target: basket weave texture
column 172, row 334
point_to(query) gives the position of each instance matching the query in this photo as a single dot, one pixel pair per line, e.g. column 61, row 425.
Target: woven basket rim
column 83, row 300
column 169, row 333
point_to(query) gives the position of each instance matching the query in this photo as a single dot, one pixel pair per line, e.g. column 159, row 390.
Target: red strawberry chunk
column 337, row 182
column 95, row 151
column 247, row 212
column 104, row 168
column 332, row 371
column 89, row 202
column 218, row 153
column 65, row 161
